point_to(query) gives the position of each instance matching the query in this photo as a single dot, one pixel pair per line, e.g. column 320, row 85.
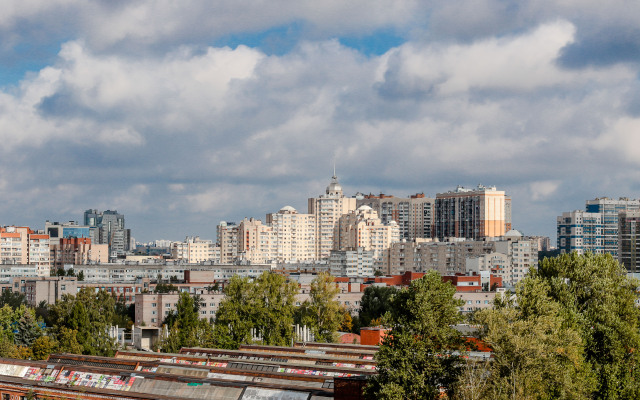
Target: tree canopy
column 264, row 305
column 420, row 355
column 89, row 314
column 375, row 302
column 322, row 313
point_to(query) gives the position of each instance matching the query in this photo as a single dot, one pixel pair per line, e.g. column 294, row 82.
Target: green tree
column 27, row 330
column 67, row 341
column 184, row 324
column 599, row 299
column 322, row 312
column 419, row 357
column 90, row 314
column 537, row 352
column 165, row 288
column 80, row 276
column 12, row 299
column 42, row 347
column 375, row 302
column 265, row 305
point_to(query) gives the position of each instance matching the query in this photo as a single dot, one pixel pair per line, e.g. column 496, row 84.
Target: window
column 154, row 304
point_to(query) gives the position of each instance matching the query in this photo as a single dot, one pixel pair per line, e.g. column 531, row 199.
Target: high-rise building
column 353, row 263
column 110, row 230
column 227, row 233
column 471, row 213
column 629, row 240
column 609, row 210
column 362, row 228
column 414, row 215
column 256, row 241
column 21, row 245
column 78, row 251
column 294, row 234
column 580, row 231
column 327, row 209
column 193, row 250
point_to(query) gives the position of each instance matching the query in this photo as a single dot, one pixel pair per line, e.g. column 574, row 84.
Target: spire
column 334, row 170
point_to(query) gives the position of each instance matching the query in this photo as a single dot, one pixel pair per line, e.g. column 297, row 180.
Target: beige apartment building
column 194, row 250
column 21, row 245
column 256, row 241
column 414, row 215
column 471, row 213
column 327, row 210
column 78, row 251
column 295, row 235
column 363, row 228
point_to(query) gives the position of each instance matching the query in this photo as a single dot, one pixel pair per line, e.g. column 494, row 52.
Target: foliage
column 12, row 299
column 375, row 302
column 67, row 341
column 183, row 324
column 420, row 354
column 347, row 321
column 27, row 330
column 80, row 276
column 537, row 353
column 90, row 314
column 598, row 298
column 165, row 288
column 322, row 312
column 265, row 304
column 124, row 314
column 42, row 347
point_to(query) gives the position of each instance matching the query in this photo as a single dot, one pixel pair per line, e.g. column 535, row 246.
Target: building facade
column 414, row 215
column 327, row 210
column 471, row 213
column 580, row 231
column 629, row 240
column 609, row 209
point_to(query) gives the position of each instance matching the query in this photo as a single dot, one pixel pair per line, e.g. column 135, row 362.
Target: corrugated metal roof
column 273, row 394
column 185, row 390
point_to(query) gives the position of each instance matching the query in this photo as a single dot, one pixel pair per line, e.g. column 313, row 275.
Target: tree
column 322, row 312
column 42, row 347
column 598, row 298
column 375, row 302
column 27, row 329
column 165, row 288
column 12, row 299
column 183, row 323
column 420, row 356
column 90, row 314
column 347, row 321
column 537, row 352
column 122, row 316
column 80, row 276
column 265, row 305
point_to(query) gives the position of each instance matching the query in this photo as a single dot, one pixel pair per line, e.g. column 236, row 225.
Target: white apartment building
column 581, row 232
column 194, row 250
column 256, row 241
column 295, row 235
column 352, row 263
column 327, row 209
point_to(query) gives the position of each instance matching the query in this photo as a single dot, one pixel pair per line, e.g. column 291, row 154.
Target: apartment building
column 609, row 209
column 629, row 240
column 414, row 215
column 194, row 250
column 471, row 213
column 327, row 210
column 78, row 251
column 294, row 235
column 227, row 239
column 580, row 231
column 22, row 245
column 362, row 228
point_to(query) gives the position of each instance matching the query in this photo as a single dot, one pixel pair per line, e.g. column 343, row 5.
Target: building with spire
column 327, row 209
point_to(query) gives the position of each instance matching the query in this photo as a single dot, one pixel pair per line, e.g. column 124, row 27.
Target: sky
column 184, row 114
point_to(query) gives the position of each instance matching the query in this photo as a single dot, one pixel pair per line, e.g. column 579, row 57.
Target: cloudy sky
column 183, row 114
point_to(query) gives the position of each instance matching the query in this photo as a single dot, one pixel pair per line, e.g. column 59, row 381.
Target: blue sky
column 180, row 115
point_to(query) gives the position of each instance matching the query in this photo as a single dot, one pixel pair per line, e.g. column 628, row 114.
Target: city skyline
column 183, row 116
